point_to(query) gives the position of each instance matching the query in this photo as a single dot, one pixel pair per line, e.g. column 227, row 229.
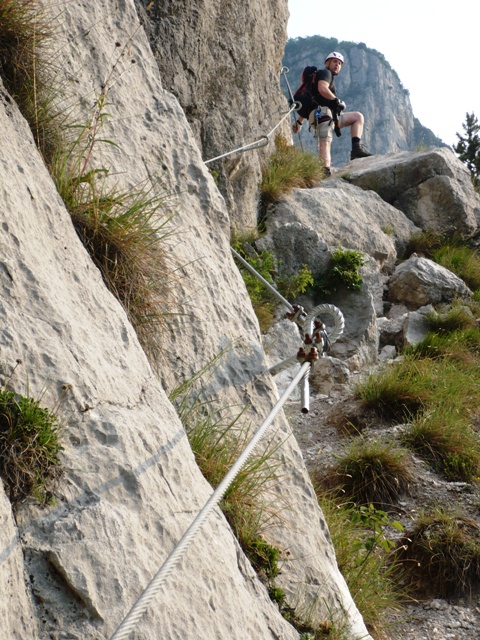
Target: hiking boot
column 328, row 171
column 359, row 152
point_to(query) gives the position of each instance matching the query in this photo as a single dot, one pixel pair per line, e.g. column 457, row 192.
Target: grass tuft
column 456, row 318
column 124, row 231
column 288, row 168
column 25, row 68
column 217, row 441
column 371, row 472
column 461, row 260
column 29, row 448
column 460, row 346
column 363, row 552
column 424, row 243
column 396, row 392
column 447, row 442
column 442, row 555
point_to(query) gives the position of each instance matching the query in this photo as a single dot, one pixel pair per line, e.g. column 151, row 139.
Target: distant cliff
column 367, row 83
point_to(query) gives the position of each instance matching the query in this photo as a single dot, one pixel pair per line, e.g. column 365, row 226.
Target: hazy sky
column 433, row 45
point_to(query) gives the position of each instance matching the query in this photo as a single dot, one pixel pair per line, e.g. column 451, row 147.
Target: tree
column 468, row 147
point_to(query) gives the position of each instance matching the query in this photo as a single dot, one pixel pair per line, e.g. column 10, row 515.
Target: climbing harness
column 316, row 340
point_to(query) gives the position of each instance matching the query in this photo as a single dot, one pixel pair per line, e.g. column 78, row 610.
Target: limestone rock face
column 222, row 61
column 418, row 282
column 131, row 485
column 16, row 608
column 432, row 188
column 304, row 229
column 337, row 214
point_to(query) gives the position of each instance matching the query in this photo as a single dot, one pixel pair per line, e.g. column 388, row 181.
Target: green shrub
column 264, row 302
column 344, row 271
column 441, row 554
column 363, row 551
column 291, row 286
column 288, row 168
column 29, row 448
column 371, row 472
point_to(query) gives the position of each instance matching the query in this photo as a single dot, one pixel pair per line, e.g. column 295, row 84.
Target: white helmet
column 335, row 55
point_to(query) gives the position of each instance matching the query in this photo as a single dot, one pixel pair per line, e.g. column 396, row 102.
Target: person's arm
column 324, row 90
column 334, row 102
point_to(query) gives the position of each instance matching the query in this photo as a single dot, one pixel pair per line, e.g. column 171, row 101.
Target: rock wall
column 222, row 61
column 131, row 486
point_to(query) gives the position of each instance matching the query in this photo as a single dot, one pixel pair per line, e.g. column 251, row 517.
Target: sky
column 433, row 45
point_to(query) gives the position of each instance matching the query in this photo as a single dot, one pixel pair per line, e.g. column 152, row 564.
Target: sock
column 355, row 142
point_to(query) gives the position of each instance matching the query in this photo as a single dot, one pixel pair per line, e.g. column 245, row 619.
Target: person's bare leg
column 355, row 120
column 324, row 150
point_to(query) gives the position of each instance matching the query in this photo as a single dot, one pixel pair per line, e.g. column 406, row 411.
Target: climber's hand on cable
column 296, row 126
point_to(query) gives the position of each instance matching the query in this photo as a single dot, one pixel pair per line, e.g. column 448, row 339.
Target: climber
column 330, row 115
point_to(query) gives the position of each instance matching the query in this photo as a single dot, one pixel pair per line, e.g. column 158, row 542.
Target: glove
column 340, row 104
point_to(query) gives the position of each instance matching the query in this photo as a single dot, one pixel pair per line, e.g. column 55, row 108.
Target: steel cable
column 139, row 608
column 258, row 144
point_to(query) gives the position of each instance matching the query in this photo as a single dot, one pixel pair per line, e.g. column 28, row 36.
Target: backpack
column 307, row 92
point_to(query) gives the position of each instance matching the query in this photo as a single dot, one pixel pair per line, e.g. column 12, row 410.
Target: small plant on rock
column 344, row 271
column 29, row 448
